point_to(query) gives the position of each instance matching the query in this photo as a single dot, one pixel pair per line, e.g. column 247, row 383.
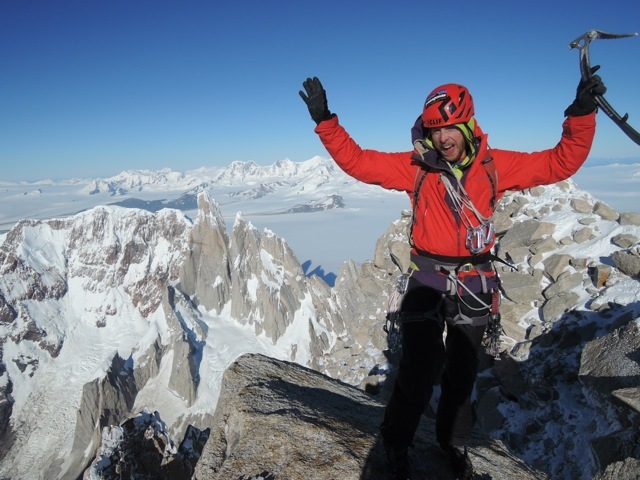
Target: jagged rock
column 587, row 221
column 605, row 211
column 558, row 305
column 524, row 234
column 627, row 262
column 537, row 191
column 565, row 282
column 518, row 254
column 6, row 408
column 394, row 242
column 611, row 362
column 555, row 264
column 141, row 448
column 581, row 206
column 184, row 376
column 108, row 255
column 600, row 273
column 509, row 372
column 295, row 423
column 502, row 221
column 268, row 282
column 629, row 218
column 522, row 288
column 105, row 402
column 205, row 272
column 624, row 240
column 510, row 205
column 582, row 235
column 625, row 470
column 614, row 448
column 566, row 241
column 545, row 245
column 535, row 259
column 629, row 396
column 489, row 415
column 7, row 312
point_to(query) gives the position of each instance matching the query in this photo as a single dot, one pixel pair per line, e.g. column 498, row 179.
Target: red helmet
column 447, row 105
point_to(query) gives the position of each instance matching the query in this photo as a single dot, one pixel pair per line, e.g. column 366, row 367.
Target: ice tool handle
column 582, row 44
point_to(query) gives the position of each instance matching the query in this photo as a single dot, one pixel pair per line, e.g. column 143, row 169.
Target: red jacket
column 436, row 229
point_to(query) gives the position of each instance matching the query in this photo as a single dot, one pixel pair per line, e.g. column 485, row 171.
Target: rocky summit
column 280, row 420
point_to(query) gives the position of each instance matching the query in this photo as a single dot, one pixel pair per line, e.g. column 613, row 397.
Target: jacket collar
column 427, row 155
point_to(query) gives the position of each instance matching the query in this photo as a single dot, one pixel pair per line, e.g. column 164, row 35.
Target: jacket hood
column 423, row 148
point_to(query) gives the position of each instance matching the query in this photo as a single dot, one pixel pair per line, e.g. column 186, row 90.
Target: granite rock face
column 279, row 418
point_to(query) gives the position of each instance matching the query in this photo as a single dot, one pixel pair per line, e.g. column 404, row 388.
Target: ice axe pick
column 582, row 44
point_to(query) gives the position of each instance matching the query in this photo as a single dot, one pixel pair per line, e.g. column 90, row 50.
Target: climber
column 453, row 179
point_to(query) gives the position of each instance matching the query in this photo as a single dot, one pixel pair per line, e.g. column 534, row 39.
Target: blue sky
column 89, row 88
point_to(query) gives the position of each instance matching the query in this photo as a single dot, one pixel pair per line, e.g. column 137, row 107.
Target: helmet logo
column 435, row 97
column 446, row 108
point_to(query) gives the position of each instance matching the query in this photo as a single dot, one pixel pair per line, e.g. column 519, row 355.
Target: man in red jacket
column 453, row 180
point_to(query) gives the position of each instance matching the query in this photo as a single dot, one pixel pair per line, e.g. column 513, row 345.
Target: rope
column 454, row 278
column 461, row 201
column 479, row 236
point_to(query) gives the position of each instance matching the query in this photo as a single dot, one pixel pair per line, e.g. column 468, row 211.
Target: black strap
column 421, row 174
column 472, row 259
column 490, row 168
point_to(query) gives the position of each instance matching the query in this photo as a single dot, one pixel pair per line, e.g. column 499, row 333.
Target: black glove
column 585, row 103
column 316, row 100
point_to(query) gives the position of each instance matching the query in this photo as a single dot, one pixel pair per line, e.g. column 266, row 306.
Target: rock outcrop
column 280, row 419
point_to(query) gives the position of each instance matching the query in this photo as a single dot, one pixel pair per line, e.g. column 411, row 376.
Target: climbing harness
column 463, row 281
column 494, row 330
column 582, row 44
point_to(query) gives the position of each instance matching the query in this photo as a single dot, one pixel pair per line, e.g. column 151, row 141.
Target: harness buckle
column 467, row 267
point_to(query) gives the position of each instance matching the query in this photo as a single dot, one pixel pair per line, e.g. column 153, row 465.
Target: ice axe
column 582, row 44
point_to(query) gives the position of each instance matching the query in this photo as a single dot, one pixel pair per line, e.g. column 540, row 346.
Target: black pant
column 426, row 358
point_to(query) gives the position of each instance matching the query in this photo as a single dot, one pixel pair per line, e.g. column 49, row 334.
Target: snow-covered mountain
column 275, row 197
column 113, row 311
column 158, row 302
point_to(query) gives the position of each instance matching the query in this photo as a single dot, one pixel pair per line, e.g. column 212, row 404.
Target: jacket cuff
column 325, row 124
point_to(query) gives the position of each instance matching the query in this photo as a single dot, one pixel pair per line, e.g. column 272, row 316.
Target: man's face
column 450, row 142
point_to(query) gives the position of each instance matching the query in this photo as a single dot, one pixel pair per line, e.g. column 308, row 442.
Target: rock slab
column 281, row 419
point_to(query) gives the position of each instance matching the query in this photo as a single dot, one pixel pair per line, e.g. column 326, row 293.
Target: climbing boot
column 460, row 462
column 398, row 463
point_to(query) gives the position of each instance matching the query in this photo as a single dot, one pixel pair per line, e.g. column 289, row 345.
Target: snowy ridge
column 265, row 195
column 79, row 291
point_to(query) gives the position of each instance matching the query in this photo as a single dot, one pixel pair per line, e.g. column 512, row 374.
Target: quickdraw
column 582, row 44
column 494, row 329
column 392, row 324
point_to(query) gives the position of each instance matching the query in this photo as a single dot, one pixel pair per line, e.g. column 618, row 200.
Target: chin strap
column 582, row 44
